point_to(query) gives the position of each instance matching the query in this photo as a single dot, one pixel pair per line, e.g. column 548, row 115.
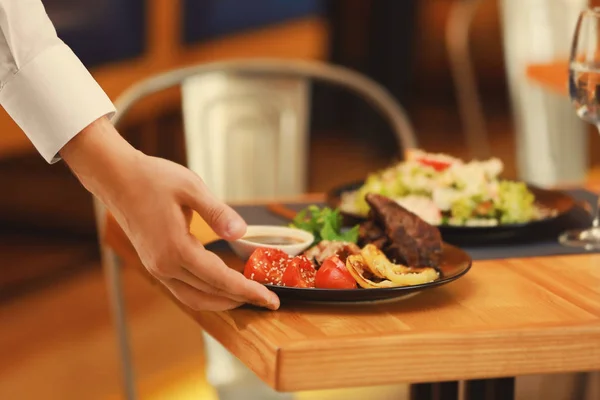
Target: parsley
column 324, row 224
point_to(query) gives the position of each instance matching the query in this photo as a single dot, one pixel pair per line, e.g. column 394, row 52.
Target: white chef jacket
column 44, row 87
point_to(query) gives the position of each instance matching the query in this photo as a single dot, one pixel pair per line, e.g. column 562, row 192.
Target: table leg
column 434, row 391
column 490, row 389
column 582, row 383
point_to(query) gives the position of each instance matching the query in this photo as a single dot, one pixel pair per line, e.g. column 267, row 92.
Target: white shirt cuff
column 53, row 98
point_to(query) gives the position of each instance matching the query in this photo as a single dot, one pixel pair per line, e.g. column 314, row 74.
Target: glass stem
column 596, row 222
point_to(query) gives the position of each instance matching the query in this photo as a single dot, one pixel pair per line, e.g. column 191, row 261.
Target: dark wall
column 105, row 31
column 208, row 19
column 100, row 31
column 376, row 38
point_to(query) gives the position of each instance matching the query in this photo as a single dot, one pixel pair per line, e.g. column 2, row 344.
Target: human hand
column 155, row 212
column 152, row 199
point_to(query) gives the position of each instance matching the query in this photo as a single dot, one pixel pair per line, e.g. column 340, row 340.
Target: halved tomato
column 300, row 273
column 266, row 266
column 333, row 274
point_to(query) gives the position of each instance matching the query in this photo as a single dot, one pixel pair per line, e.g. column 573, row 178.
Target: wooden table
column 503, row 319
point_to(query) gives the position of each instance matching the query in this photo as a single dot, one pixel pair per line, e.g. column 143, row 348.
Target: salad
column 444, row 190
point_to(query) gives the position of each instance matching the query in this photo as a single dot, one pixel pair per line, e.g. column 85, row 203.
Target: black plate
column 455, row 263
column 551, row 199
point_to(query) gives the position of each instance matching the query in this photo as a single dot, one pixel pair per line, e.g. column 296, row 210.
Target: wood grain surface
column 504, row 318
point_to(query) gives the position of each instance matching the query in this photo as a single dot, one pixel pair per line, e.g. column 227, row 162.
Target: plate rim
column 398, row 289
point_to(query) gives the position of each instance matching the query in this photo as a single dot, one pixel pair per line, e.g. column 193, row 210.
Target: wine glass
column 584, row 90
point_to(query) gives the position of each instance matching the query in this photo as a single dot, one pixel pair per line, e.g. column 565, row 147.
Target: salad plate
column 555, row 200
column 468, row 202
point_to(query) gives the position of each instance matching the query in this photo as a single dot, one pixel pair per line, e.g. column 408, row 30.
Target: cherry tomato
column 300, row 272
column 437, row 165
column 266, row 266
column 333, row 274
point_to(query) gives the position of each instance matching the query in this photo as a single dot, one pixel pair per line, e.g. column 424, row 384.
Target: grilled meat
column 371, row 232
column 409, row 239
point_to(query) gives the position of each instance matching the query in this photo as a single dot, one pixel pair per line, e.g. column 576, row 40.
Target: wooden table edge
column 424, row 366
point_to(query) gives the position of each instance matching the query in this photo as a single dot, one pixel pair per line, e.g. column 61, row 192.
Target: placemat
column 532, row 243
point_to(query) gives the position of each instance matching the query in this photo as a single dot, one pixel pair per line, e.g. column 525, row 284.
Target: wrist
column 102, row 160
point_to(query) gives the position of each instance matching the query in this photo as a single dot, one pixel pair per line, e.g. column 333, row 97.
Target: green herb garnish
column 324, row 224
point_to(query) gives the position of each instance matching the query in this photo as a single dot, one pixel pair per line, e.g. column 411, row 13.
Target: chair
column 458, row 27
column 244, row 107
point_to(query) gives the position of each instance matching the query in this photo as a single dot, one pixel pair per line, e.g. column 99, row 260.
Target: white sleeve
column 44, row 87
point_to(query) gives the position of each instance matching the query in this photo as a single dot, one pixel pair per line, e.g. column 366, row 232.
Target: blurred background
column 56, row 340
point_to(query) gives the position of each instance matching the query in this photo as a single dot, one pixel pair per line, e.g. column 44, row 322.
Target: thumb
column 223, row 219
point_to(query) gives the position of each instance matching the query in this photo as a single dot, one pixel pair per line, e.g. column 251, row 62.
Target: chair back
column 246, row 121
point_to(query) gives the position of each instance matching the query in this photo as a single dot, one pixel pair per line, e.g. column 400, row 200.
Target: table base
column 481, row 389
column 490, row 389
column 434, row 391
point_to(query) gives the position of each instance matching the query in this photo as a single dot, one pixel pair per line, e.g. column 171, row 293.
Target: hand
column 153, row 199
column 155, row 212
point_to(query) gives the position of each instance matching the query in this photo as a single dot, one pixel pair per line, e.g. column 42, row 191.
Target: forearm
column 102, row 160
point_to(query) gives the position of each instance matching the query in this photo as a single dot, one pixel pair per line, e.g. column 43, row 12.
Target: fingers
column 197, row 283
column 225, row 281
column 198, row 300
column 207, row 273
column 222, row 219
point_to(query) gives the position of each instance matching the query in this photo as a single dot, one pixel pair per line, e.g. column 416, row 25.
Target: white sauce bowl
column 244, row 247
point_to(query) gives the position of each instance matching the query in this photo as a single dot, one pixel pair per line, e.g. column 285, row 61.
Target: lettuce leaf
column 324, row 224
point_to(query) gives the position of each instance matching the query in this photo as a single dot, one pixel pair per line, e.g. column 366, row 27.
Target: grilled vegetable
column 372, row 269
column 399, row 275
column 360, row 271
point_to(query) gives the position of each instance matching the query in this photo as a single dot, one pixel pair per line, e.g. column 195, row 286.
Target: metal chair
column 248, row 103
column 458, row 25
